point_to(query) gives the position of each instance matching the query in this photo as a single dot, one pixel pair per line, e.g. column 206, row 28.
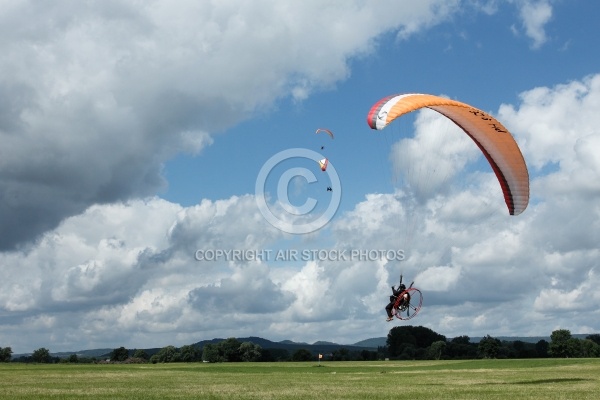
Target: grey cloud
column 96, row 96
column 254, row 294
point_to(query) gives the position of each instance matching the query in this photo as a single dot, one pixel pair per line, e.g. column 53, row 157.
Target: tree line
column 420, row 343
column 403, row 343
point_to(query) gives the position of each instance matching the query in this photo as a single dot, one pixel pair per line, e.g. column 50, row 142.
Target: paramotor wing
column 327, row 131
column 408, row 304
column 492, row 138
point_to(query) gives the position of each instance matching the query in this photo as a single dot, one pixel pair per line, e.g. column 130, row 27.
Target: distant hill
column 98, row 353
column 372, row 342
column 291, row 346
column 323, row 343
column 526, row 339
column 291, row 342
column 85, row 353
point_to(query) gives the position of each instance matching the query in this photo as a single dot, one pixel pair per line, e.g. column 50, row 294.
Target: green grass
column 472, row 379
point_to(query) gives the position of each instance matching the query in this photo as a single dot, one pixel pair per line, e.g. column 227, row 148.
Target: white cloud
column 535, row 14
column 548, row 131
column 109, row 268
column 97, row 96
column 432, row 156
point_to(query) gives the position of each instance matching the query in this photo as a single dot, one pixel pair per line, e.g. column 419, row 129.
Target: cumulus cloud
column 109, row 266
column 436, row 152
column 534, row 15
column 96, row 96
column 549, row 135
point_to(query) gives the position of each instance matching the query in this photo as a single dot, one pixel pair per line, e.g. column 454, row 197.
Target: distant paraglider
column 327, row 131
column 323, row 164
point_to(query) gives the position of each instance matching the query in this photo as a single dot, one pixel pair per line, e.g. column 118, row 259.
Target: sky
column 144, row 144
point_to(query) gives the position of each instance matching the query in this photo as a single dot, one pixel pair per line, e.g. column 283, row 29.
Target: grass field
column 471, row 379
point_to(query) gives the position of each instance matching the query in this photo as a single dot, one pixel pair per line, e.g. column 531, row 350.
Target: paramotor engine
column 408, row 303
